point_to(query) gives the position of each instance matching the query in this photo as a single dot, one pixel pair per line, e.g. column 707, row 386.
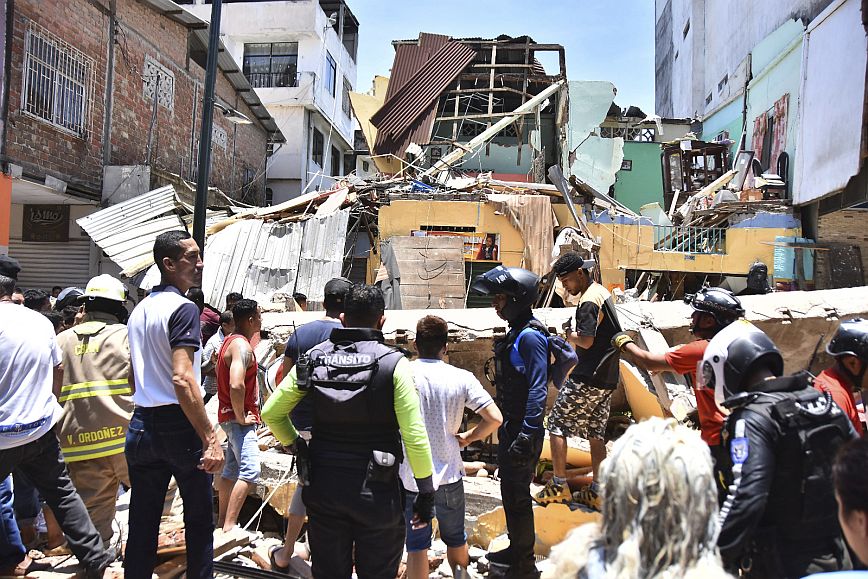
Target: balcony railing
column 272, row 79
column 708, row 240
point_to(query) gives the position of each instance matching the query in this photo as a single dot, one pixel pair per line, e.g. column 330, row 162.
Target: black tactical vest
column 511, row 386
column 353, row 393
column 801, row 500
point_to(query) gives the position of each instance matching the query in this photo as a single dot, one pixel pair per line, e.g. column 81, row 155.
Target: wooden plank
column 421, row 291
column 416, row 303
column 439, row 278
column 430, row 255
column 428, row 242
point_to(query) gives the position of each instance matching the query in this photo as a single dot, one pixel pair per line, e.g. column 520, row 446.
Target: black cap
column 572, row 261
column 9, row 266
column 338, row 286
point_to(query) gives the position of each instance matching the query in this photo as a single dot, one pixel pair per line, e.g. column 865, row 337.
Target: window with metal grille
column 331, row 73
column 271, row 65
column 317, row 146
column 346, row 101
column 58, row 81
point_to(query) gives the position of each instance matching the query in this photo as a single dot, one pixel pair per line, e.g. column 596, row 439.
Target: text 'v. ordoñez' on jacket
column 354, row 398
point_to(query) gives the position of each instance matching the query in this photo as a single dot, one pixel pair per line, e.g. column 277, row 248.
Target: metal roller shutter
column 47, row 264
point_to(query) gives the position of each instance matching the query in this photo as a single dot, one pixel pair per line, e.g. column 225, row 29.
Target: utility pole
column 207, row 126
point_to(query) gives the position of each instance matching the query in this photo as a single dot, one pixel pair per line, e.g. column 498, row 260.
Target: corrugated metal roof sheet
column 126, row 231
column 322, row 253
column 253, row 257
column 258, row 258
column 420, row 74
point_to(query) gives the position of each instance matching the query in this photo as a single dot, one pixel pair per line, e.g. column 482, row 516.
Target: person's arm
column 534, row 351
column 751, row 447
column 290, row 354
column 587, row 320
column 491, row 420
column 190, row 398
column 239, row 356
column 651, row 361
column 209, row 362
column 57, row 381
column 412, row 426
column 276, row 411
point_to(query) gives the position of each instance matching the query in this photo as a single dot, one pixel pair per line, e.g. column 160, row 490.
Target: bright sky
column 604, row 39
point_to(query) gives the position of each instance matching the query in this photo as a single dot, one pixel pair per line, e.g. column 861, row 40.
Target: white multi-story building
column 300, row 56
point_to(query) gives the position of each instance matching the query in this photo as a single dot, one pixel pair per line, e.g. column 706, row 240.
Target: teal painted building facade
column 640, row 180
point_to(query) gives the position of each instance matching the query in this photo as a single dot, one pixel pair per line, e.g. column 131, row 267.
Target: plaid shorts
column 580, row 410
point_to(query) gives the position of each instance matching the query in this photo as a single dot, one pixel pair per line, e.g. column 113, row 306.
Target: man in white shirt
column 444, row 392
column 30, row 368
column 170, row 433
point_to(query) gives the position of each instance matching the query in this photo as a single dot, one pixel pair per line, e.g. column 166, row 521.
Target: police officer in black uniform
column 365, row 403
column 779, row 518
column 521, row 377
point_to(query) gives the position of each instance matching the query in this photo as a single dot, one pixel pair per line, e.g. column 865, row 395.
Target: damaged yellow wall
column 403, row 217
column 364, row 107
column 624, row 247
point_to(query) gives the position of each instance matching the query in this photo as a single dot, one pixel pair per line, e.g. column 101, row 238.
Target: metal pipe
column 204, row 166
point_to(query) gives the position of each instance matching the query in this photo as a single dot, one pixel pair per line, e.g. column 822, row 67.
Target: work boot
column 522, row 572
column 588, row 498
column 503, row 557
column 553, row 492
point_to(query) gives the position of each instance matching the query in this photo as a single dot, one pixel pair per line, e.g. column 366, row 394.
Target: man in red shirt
column 714, row 308
column 238, row 412
column 849, row 347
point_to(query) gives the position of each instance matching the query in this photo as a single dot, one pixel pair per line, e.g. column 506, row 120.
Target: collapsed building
column 476, row 156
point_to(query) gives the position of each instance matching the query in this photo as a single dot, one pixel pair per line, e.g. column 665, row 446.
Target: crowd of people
column 97, row 400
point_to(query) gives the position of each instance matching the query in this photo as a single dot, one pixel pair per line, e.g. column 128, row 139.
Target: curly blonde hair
column 659, row 516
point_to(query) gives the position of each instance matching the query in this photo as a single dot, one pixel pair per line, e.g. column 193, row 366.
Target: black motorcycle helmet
column 521, row 285
column 733, row 354
column 720, row 303
column 851, row 339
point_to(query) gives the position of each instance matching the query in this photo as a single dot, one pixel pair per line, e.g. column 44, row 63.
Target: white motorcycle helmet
column 731, row 355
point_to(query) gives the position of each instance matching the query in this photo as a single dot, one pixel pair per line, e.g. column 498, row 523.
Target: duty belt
column 19, row 428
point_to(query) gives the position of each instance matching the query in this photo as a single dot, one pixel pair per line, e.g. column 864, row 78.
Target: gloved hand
column 423, row 509
column 299, row 447
column 521, row 448
column 621, row 339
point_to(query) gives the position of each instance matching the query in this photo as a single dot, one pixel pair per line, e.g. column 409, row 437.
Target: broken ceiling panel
column 597, row 161
column 589, row 105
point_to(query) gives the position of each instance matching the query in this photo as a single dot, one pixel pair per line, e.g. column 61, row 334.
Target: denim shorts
column 449, row 510
column 242, row 452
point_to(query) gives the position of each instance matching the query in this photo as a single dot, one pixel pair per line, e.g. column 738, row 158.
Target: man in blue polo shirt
column 170, row 433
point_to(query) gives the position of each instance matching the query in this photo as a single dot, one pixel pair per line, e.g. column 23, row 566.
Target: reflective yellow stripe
column 98, row 450
column 94, row 388
column 93, row 383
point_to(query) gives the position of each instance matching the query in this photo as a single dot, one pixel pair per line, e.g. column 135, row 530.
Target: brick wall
column 141, row 34
column 848, row 227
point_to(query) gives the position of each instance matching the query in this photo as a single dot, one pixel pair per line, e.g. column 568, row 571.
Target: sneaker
column 553, row 493
column 588, row 498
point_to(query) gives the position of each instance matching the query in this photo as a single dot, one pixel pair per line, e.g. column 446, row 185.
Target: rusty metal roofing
column 420, row 74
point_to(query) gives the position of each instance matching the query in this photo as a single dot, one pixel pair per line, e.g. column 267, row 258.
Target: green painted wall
column 644, row 183
column 727, row 118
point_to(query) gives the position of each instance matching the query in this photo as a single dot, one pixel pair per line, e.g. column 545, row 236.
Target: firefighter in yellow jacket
column 96, row 396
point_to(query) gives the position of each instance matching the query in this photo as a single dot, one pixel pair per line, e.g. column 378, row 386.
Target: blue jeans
column 11, row 548
column 449, row 511
column 161, row 443
column 42, row 463
column 242, row 452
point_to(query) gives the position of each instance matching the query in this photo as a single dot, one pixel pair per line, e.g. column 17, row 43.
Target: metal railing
column 709, row 240
column 273, row 79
